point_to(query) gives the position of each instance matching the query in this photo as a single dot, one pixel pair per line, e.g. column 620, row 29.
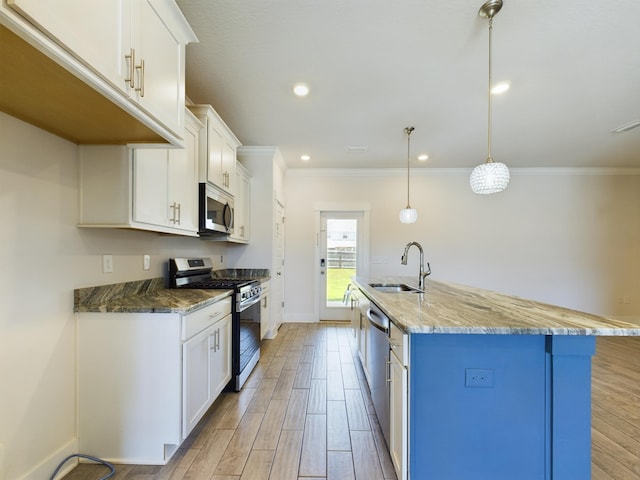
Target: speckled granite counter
column 145, row 296
column 459, row 309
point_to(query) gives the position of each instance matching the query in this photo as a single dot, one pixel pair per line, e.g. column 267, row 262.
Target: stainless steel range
column 245, row 336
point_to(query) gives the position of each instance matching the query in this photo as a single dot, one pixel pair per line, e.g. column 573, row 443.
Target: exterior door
column 340, row 258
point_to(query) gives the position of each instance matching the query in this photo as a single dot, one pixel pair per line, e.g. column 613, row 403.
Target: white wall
column 44, row 257
column 569, row 238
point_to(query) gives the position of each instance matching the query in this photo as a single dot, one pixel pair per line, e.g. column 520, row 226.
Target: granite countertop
column 151, row 296
column 452, row 308
column 145, row 296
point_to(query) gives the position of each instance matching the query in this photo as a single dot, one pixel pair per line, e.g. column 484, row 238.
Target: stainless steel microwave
column 215, row 210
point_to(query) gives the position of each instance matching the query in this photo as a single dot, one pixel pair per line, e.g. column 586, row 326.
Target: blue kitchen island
column 498, row 387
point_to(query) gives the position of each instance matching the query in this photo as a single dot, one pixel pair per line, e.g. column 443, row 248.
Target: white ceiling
column 376, row 66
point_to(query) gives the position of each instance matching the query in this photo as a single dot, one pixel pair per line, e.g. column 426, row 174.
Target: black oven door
column 246, row 342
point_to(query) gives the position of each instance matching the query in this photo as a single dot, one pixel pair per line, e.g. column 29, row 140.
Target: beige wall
column 44, row 257
column 569, row 238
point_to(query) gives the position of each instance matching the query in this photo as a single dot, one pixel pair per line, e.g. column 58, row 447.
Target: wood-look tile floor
column 306, row 414
column 615, row 418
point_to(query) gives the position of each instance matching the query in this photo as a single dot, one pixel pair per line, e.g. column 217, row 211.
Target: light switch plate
column 146, row 262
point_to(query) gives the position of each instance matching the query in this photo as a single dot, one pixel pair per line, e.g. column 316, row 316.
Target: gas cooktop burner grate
column 213, row 284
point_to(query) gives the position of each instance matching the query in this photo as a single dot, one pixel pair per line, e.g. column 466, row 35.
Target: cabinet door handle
column 141, row 87
column 264, row 302
column 217, row 339
column 175, row 216
column 131, row 66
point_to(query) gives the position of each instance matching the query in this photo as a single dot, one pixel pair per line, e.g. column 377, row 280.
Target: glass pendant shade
column 408, row 215
column 490, row 177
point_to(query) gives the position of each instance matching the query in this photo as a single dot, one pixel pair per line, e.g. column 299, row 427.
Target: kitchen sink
column 394, row 288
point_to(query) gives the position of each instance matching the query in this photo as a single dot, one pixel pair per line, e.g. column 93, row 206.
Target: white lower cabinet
column 362, row 334
column 265, row 310
column 206, row 370
column 146, row 379
column 399, row 402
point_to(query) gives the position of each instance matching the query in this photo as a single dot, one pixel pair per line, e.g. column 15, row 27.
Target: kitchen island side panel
column 478, row 407
column 500, row 406
column 570, row 397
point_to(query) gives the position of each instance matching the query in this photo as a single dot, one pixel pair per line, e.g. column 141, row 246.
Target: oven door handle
column 250, row 304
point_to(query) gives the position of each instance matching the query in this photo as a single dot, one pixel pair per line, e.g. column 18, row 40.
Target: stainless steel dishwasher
column 378, row 366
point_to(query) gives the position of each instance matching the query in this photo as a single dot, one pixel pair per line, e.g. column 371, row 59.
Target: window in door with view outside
column 341, row 257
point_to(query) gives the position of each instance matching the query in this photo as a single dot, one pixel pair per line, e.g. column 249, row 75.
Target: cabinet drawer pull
column 215, row 314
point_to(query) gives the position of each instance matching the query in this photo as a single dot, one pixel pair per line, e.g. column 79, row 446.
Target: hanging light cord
column 409, row 131
column 489, row 159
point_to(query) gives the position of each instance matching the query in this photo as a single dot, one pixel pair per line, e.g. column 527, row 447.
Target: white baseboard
column 46, row 468
column 299, row 318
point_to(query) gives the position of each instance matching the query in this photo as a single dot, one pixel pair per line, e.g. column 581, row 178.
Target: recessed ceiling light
column 423, row 157
column 305, row 158
column 301, row 89
column 500, row 87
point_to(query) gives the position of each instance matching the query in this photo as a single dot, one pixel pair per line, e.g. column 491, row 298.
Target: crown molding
column 264, row 151
column 440, row 172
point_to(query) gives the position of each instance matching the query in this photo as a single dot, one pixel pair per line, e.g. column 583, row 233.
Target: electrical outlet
column 476, row 377
column 146, row 262
column 107, row 263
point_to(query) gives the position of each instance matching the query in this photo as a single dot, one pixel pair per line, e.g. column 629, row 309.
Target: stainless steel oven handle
column 250, row 304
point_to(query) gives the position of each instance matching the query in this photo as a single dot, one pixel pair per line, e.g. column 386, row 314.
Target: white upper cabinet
column 242, row 209
column 92, row 31
column 218, row 150
column 158, row 65
column 135, row 48
column 142, row 188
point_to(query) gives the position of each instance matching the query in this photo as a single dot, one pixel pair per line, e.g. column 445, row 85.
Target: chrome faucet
column 422, row 273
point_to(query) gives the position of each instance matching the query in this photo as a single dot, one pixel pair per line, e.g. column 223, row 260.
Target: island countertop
column 452, row 308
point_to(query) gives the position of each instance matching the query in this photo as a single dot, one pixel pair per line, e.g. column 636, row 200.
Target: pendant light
column 408, row 215
column 489, row 177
